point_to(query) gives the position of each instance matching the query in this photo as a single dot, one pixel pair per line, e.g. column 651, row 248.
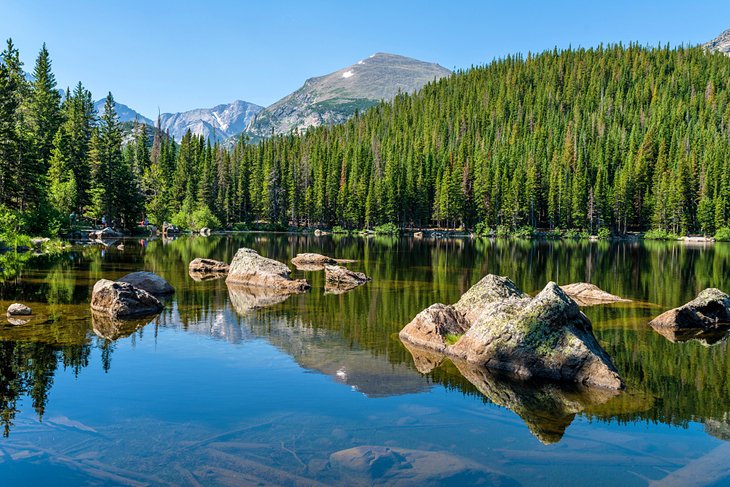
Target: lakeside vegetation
column 596, row 141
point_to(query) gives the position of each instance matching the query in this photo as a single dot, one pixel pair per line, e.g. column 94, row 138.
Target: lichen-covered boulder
column 340, row 277
column 207, row 266
column 498, row 326
column 709, row 309
column 150, row 282
column 121, row 300
column 549, row 338
column 586, row 294
column 18, row 309
column 251, row 269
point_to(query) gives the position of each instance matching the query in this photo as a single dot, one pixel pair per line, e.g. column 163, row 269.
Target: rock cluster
column 496, row 325
column 122, row 300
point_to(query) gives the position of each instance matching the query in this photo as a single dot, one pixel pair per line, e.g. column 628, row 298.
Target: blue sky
column 179, row 55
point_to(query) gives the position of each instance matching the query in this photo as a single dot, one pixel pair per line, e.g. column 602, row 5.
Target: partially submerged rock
column 104, row 234
column 150, row 282
column 208, row 266
column 586, row 294
column 121, row 300
column 343, row 279
column 19, row 309
column 251, row 269
column 710, row 309
column 505, row 330
column 315, row 262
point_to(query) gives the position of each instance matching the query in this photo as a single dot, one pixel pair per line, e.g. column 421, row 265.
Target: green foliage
column 723, row 234
column 200, row 217
column 658, row 234
column 575, row 233
column 386, row 229
column 483, row 230
column 451, row 338
column 337, row 229
column 604, row 233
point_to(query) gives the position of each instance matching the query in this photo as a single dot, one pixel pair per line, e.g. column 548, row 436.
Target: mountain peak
column 335, row 97
column 720, row 43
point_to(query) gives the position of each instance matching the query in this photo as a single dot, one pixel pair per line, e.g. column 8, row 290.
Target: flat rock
column 505, row 330
column 207, row 266
column 586, row 294
column 18, row 309
column 251, row 269
column 339, row 277
column 122, row 300
column 711, row 308
column 315, row 262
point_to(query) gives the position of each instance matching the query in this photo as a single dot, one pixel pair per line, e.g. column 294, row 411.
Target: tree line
column 614, row 137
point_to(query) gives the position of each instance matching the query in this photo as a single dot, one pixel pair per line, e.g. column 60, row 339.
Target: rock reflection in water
column 247, row 298
column 708, row 338
column 547, row 408
column 112, row 329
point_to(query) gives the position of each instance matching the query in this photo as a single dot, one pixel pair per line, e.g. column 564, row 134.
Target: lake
column 318, row 389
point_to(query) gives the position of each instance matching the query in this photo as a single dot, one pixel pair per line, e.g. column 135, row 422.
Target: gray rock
column 18, row 309
column 505, row 330
column 709, row 309
column 207, row 266
column 121, row 300
column 150, row 282
column 251, row 269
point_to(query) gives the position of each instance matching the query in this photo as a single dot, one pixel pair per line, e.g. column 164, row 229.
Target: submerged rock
column 709, row 309
column 505, row 330
column 384, row 465
column 148, row 281
column 207, row 266
column 18, row 309
column 121, row 300
column 586, row 294
column 343, row 279
column 251, row 269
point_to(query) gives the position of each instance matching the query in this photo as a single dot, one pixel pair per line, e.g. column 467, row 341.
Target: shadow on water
column 352, row 337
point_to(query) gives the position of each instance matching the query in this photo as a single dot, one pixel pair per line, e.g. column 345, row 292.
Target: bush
column 658, row 234
column 482, row 230
column 386, row 229
column 723, row 234
column 575, row 233
column 524, row 232
column 340, row 230
column 604, row 233
column 200, row 218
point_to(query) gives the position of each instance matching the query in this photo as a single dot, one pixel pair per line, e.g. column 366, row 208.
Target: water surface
column 312, row 388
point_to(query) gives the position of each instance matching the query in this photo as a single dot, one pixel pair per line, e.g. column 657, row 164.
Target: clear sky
column 179, row 55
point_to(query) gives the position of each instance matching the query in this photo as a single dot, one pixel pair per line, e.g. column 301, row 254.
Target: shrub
column 575, row 233
column 524, row 232
column 386, row 229
column 483, row 230
column 604, row 233
column 200, row 218
column 723, row 234
column 337, row 229
column 658, row 234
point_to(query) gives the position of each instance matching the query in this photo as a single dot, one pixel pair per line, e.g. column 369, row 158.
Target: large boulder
column 150, row 282
column 505, row 330
column 207, row 266
column 343, row 279
column 710, row 309
column 18, row 309
column 586, row 294
column 121, row 300
column 251, row 269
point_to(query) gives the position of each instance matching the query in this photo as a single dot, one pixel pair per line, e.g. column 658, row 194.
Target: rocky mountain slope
column 124, row 113
column 335, row 97
column 218, row 123
column 720, row 43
